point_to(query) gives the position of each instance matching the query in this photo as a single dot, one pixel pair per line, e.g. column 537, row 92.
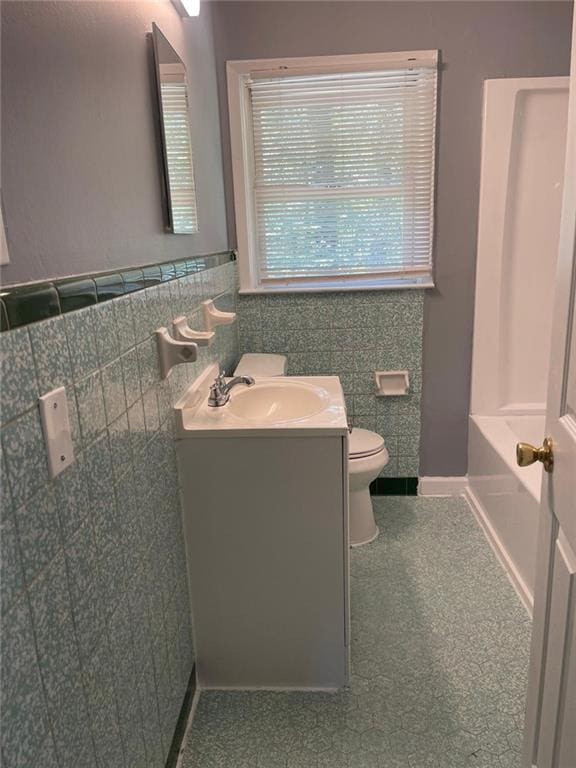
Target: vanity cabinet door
column 266, row 521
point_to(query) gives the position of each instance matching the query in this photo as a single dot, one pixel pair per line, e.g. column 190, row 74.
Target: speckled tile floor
column 440, row 647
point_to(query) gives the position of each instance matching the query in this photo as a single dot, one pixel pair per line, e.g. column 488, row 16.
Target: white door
column 550, row 736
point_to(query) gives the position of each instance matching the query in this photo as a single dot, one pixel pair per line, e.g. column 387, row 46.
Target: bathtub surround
column 350, row 335
column 81, row 152
column 504, row 498
column 525, row 131
column 96, row 633
column 477, row 40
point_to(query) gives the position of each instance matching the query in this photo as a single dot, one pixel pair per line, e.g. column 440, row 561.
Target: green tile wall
column 96, row 632
column 349, row 335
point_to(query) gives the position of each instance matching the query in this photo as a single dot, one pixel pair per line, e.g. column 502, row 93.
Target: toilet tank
column 259, row 365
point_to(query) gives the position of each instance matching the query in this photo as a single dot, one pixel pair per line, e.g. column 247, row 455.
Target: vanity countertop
column 195, row 418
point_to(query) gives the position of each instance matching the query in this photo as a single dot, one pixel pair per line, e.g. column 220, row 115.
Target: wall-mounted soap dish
column 214, row 317
column 392, row 383
column 183, row 332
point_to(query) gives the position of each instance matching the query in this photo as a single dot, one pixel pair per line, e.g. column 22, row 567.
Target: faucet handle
column 218, row 383
column 218, row 395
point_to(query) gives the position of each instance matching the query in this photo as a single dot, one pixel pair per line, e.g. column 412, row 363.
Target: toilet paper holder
column 392, row 383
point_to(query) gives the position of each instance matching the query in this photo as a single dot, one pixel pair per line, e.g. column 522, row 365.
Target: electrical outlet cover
column 56, row 428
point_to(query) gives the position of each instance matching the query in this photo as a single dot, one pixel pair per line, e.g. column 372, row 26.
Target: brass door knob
column 526, row 454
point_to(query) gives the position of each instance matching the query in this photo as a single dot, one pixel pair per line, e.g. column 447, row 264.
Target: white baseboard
column 442, row 486
column 499, row 550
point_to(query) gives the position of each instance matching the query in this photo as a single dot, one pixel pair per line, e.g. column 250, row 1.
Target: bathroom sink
column 278, row 402
column 282, row 404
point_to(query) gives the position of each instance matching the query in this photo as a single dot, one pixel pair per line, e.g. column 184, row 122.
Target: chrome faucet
column 220, row 390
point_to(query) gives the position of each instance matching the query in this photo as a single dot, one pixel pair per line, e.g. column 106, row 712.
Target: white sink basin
column 277, row 402
column 284, row 405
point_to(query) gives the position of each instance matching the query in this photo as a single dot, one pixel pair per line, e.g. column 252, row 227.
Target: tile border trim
column 394, row 486
column 27, row 303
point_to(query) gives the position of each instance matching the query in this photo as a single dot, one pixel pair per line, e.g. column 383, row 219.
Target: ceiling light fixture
column 188, row 8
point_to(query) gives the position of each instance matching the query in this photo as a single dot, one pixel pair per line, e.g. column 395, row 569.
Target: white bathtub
column 504, row 497
column 523, row 140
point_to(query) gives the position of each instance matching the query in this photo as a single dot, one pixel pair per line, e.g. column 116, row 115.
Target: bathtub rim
column 491, row 427
column 497, row 430
column 518, row 582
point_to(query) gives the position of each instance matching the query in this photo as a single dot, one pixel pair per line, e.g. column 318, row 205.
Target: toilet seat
column 363, row 443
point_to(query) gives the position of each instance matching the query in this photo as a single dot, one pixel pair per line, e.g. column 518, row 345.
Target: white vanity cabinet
column 266, row 524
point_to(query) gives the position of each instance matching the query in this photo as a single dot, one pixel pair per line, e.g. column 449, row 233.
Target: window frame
column 242, row 151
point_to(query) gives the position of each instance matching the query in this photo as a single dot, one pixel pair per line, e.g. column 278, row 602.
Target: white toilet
column 367, row 454
column 367, row 457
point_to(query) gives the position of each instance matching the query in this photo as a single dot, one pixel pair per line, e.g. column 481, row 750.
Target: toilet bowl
column 367, row 454
column 367, row 457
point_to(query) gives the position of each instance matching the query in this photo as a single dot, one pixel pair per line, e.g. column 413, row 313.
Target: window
column 333, row 162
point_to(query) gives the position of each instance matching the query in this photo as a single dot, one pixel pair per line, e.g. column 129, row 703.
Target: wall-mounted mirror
column 176, row 137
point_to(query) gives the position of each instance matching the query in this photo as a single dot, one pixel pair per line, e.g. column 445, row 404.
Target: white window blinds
column 343, row 174
column 178, row 147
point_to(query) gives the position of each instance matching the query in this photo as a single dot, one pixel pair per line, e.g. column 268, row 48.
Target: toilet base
column 366, row 541
column 363, row 528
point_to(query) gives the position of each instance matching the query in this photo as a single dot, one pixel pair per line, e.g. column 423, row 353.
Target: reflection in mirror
column 176, row 139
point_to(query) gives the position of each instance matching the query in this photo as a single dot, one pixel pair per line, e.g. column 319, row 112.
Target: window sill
column 335, row 286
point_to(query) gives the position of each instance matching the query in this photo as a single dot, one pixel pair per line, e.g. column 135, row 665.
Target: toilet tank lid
column 260, row 364
column 363, row 442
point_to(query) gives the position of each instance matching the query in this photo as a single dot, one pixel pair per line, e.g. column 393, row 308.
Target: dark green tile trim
column 198, row 266
column 76, row 294
column 181, row 269
column 152, row 276
column 167, row 272
column 25, row 304
column 133, row 280
column 29, row 305
column 180, row 730
column 394, row 486
column 109, row 287
column 411, row 486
